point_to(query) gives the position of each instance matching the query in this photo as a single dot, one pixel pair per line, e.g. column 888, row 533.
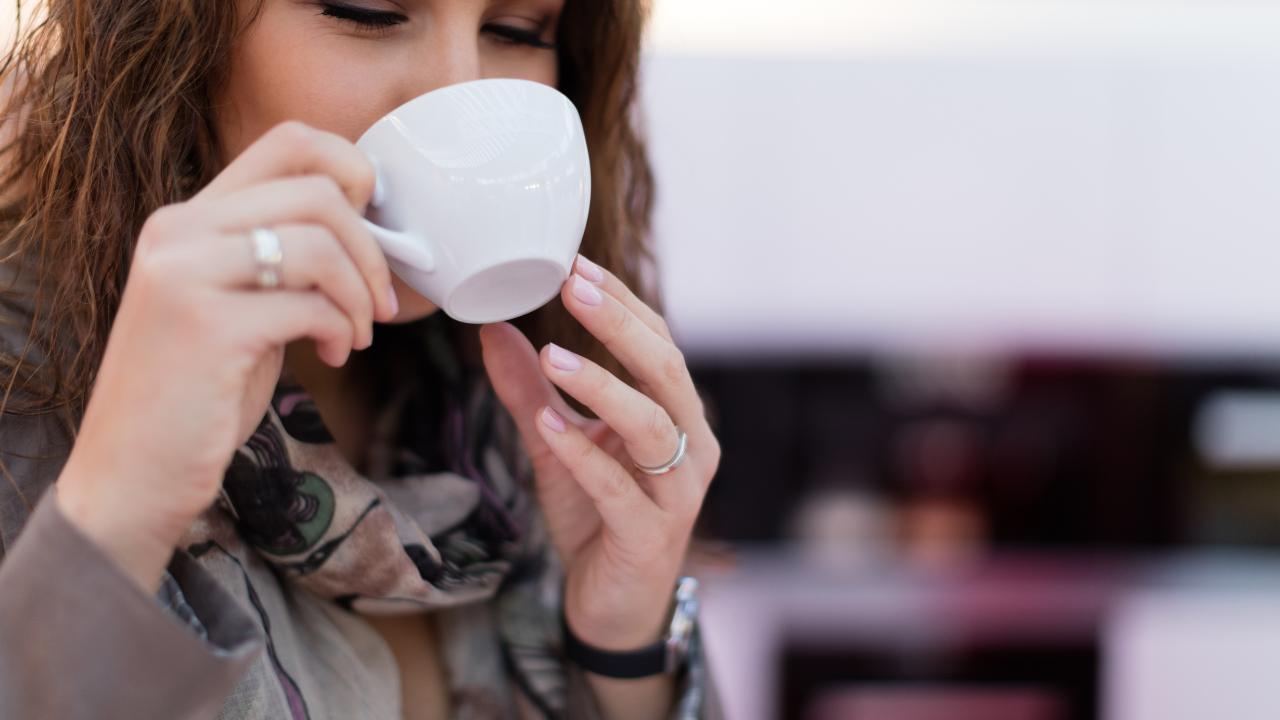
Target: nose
column 449, row 53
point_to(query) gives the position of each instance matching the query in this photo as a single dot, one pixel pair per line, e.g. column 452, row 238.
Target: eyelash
column 377, row 22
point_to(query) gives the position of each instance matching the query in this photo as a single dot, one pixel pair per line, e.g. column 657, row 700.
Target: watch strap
column 649, row 660
column 664, row 656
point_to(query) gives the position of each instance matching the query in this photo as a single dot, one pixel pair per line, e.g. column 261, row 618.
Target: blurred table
column 1141, row 622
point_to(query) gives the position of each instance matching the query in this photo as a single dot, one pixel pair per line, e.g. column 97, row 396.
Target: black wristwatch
column 665, row 656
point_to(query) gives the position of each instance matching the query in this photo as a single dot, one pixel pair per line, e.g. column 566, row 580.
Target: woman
column 424, row 528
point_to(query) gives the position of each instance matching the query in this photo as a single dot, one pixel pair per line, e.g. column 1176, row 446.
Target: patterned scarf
column 444, row 517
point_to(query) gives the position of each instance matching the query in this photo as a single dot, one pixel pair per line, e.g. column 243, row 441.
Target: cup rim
column 537, row 86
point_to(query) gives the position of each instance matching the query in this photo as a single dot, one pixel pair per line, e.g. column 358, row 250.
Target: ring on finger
column 671, row 464
column 267, row 254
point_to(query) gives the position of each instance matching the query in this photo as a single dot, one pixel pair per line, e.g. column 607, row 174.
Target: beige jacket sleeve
column 79, row 639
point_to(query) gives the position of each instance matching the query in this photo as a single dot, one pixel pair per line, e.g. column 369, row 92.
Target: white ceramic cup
column 482, row 195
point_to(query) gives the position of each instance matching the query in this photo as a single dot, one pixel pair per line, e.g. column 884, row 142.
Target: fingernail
column 552, row 419
column 588, row 269
column 562, row 359
column 391, row 298
column 585, row 291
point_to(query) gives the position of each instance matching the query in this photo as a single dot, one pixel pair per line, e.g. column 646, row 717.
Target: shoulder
column 33, row 444
column 33, row 449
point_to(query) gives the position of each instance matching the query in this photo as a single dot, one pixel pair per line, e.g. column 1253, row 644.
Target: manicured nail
column 552, row 419
column 585, row 291
column 391, row 298
column 588, row 269
column 562, row 359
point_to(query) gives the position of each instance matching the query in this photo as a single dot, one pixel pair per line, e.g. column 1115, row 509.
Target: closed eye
column 382, row 21
column 365, row 19
column 518, row 36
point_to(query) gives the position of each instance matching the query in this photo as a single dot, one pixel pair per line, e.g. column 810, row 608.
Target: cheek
column 312, row 90
column 284, row 72
column 536, row 65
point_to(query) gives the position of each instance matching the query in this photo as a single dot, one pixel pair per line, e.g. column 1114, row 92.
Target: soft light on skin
column 298, row 61
column 295, row 63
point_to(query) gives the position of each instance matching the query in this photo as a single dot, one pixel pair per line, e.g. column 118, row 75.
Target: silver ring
column 266, row 252
column 671, row 464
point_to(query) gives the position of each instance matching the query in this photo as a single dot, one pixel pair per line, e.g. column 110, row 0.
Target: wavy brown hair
column 113, row 102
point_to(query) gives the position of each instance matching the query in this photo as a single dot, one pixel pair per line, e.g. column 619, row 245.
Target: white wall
column 1001, row 176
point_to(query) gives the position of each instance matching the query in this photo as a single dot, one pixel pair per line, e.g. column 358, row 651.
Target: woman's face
column 341, row 65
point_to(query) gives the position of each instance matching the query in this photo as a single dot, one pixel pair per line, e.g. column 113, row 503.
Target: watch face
column 681, row 630
column 677, row 651
column 685, row 613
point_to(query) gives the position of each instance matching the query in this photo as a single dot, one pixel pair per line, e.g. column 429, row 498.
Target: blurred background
column 982, row 296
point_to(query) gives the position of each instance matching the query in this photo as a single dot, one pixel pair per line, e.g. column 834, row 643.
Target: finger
column 655, row 363
column 517, row 380
column 294, row 148
column 699, row 430
column 625, row 508
column 313, row 199
column 272, row 319
column 313, row 259
column 648, row 432
column 610, row 283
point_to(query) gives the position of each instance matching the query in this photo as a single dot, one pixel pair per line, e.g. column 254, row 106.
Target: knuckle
column 664, row 328
column 713, row 456
column 337, row 318
column 336, row 271
column 323, row 189
column 658, row 425
column 294, row 134
column 364, row 297
column 617, row 484
column 674, row 369
column 601, row 381
column 337, row 327
column 149, row 263
column 620, row 324
column 161, row 224
column 584, row 453
column 365, row 178
column 155, row 267
column 326, row 319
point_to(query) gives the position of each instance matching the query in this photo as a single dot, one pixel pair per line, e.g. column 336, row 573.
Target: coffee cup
column 482, row 194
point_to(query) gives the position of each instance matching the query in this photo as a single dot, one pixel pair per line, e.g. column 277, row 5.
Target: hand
column 621, row 533
column 196, row 347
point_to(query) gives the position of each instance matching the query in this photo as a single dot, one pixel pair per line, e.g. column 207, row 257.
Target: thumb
column 516, row 375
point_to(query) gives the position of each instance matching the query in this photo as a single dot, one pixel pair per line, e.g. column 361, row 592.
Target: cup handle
column 402, row 246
